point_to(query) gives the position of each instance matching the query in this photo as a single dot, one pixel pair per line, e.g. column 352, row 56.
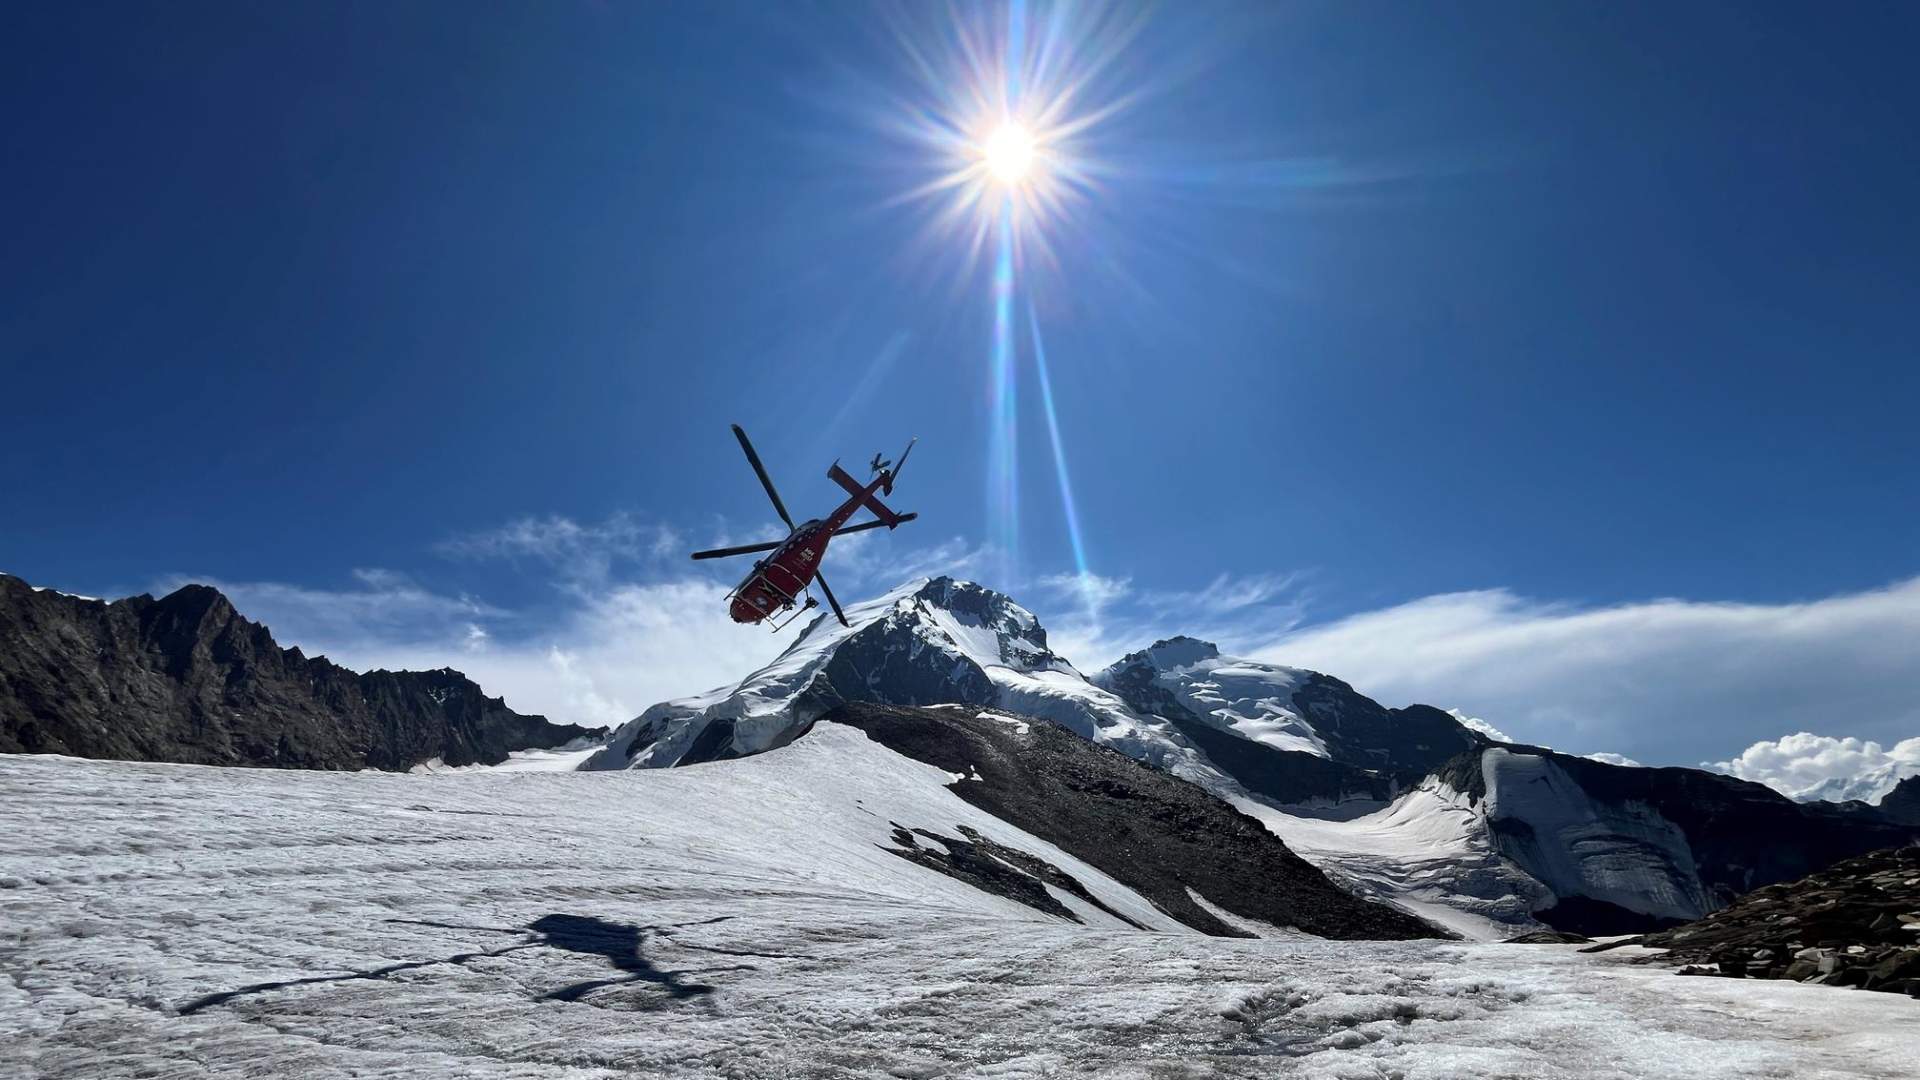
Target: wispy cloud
column 633, row 624
column 1236, row 612
column 579, row 552
column 601, row 660
column 1089, row 588
column 1664, row 681
column 880, row 560
column 1230, row 594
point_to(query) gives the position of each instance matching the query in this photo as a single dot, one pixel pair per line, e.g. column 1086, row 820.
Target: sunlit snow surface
column 1248, row 698
column 741, row 919
column 1427, row 852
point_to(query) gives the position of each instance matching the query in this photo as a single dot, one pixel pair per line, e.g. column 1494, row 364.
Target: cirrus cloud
column 1664, row 681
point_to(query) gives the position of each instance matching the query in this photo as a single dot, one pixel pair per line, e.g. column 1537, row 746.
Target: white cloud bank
column 606, row 647
column 1806, row 766
column 1667, row 681
column 610, row 654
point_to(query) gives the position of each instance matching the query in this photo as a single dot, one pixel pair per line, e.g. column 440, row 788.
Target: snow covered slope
column 1624, row 853
column 743, row 920
column 931, row 642
column 1296, row 739
column 1430, row 853
column 1619, row 848
column 1498, row 841
column 1289, row 710
column 1249, row 699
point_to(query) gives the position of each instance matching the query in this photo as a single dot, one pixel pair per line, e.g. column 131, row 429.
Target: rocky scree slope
column 187, row 679
column 1856, row 923
column 1193, row 856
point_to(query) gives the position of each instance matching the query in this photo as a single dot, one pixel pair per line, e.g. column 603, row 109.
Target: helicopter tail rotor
column 892, row 469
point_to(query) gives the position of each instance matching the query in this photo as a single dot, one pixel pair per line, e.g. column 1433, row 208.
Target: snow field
column 742, row 919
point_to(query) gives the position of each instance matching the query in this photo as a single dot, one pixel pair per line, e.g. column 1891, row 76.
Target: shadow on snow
column 621, row 945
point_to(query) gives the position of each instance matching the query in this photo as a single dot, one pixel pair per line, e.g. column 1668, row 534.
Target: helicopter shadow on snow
column 623, row 946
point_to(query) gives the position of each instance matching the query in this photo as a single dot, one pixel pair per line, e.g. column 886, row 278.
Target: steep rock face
column 1625, row 848
column 1295, row 737
column 931, row 642
column 186, row 678
column 1902, row 804
column 1193, row 856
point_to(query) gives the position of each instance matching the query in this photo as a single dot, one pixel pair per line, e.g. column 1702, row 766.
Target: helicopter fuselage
column 783, row 574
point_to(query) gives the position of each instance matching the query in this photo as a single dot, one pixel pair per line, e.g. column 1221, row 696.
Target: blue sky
column 417, row 322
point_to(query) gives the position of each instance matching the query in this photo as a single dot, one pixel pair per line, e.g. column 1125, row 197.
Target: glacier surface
column 744, row 919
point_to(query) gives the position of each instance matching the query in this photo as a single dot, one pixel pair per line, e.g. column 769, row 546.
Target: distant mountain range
column 186, row 678
column 1405, row 805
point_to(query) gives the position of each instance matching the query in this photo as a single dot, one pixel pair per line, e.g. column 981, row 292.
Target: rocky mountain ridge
column 186, row 678
column 1297, row 738
column 936, row 641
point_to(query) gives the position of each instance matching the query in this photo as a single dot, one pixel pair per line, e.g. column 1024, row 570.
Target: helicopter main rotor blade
column 760, row 470
column 744, row 549
column 894, row 467
column 821, row 580
column 901, row 520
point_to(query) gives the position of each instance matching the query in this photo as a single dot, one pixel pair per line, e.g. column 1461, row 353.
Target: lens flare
column 1009, row 102
column 1009, row 153
column 1006, row 116
column 1003, row 435
column 1083, row 573
column 1059, row 144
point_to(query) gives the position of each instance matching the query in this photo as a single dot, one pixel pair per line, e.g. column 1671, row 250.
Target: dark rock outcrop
column 998, row 869
column 186, row 678
column 1856, row 923
column 1902, row 804
column 1549, row 937
column 1160, row 836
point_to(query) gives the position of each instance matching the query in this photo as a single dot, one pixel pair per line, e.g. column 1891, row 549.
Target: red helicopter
column 778, row 581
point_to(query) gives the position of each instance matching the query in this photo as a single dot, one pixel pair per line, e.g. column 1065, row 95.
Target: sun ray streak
column 1068, row 506
column 1003, row 480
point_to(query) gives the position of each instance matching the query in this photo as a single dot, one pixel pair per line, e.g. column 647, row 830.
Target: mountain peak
column 1181, row 651
column 933, row 641
column 1166, row 655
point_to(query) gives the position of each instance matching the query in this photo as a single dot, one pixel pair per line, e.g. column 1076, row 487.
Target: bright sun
column 1008, row 153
